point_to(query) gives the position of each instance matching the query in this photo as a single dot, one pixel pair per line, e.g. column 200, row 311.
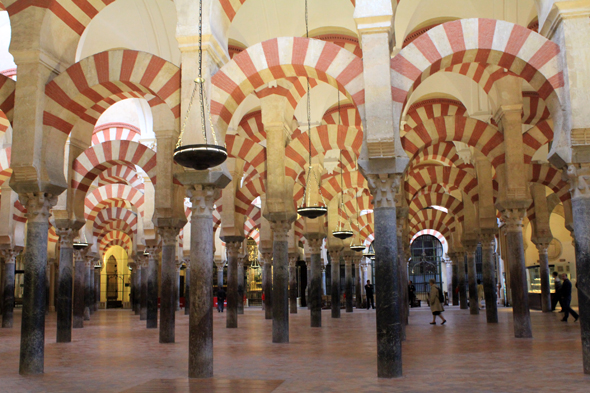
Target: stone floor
column 114, row 352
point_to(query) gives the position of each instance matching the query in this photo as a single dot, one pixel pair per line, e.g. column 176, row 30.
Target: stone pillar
column 79, row 289
column 308, row 268
column 365, row 268
column 515, row 253
column 293, row 283
column 169, row 284
column 97, row 269
column 462, row 281
column 280, row 281
column 187, row 288
column 220, row 265
column 152, row 288
column 232, row 244
column 267, row 259
column 51, row 266
column 137, row 308
column 144, row 288
column 580, row 192
column 201, row 302
column 324, row 291
column 358, row 271
column 389, row 348
column 489, row 277
column 348, row 280
column 177, row 286
column 314, row 291
column 470, row 247
column 455, row 278
column 335, row 295
column 545, row 282
column 88, row 286
column 241, row 284
column 8, row 290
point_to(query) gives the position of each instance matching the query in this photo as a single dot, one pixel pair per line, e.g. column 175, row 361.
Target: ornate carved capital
column 151, row 251
column 334, row 255
column 168, row 235
column 348, row 258
column 542, row 247
column 384, row 189
column 293, row 257
column 89, row 261
column 233, row 249
column 66, row 237
column 266, row 258
column 280, row 230
column 38, row 205
column 578, row 177
column 203, row 198
column 10, row 255
column 315, row 245
column 220, row 264
column 513, row 219
column 487, row 240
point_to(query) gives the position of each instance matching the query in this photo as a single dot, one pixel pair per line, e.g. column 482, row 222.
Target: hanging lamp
column 81, row 243
column 358, row 246
column 206, row 155
column 340, row 232
column 306, row 209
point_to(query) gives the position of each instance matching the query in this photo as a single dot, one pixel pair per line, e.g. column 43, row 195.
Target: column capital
column 151, row 251
column 266, row 258
column 66, row 237
column 348, row 258
column 220, row 264
column 578, row 176
column 89, row 261
column 38, row 205
column 487, row 238
column 233, row 248
column 280, row 230
column 10, row 255
column 314, row 243
column 513, row 219
column 168, row 235
column 542, row 245
column 384, row 188
column 203, row 199
column 334, row 255
column 293, row 257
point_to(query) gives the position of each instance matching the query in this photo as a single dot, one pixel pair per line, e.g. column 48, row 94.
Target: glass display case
column 534, row 278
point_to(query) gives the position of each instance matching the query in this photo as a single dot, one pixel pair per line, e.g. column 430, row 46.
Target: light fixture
column 81, row 243
column 200, row 156
column 306, row 209
column 357, row 247
column 340, row 232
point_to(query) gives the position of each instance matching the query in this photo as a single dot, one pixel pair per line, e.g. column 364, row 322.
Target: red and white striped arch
column 231, row 7
column 247, row 193
column 426, row 110
column 116, row 238
column 551, row 177
column 347, row 116
column 431, row 232
column 247, row 150
column 484, row 41
column 281, row 58
column 251, row 127
column 87, row 88
column 96, row 159
column 115, row 132
column 352, row 180
column 109, row 215
column 536, row 137
column 121, row 174
column 422, row 201
column 7, row 89
column 450, row 177
column 444, row 152
column 102, row 196
column 19, row 213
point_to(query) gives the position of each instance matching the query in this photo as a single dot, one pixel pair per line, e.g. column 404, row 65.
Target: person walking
column 435, row 304
column 369, row 293
column 480, row 294
column 566, row 298
column 220, row 299
column 412, row 293
column 556, row 296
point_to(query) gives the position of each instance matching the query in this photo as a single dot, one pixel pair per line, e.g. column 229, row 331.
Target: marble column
column 293, row 283
column 200, row 363
column 177, row 286
column 144, row 288
column 97, row 269
column 462, row 281
column 8, row 290
column 88, row 287
column 241, row 260
column 220, row 266
column 324, row 291
column 35, row 263
column 187, row 288
column 315, row 290
column 79, row 289
column 267, row 259
column 489, row 277
column 544, row 272
column 132, row 289
column 233, row 245
column 280, row 281
column 152, row 288
column 137, row 309
column 455, row 278
column 335, row 298
column 308, row 268
column 348, row 280
column 472, row 283
column 518, row 285
column 389, row 340
column 169, row 281
column 580, row 192
column 51, row 266
column 358, row 271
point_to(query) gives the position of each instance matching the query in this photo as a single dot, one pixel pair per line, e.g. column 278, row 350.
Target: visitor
column 556, row 296
column 566, row 298
column 369, row 293
column 412, row 293
column 435, row 305
column 220, row 299
column 480, row 293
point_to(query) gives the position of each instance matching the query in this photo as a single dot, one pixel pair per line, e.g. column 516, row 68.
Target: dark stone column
column 401, row 266
column 241, row 283
column 358, row 272
column 267, row 259
column 8, row 290
column 280, row 281
column 335, row 298
column 144, row 288
column 92, row 288
column 169, row 291
column 35, row 264
column 293, row 283
column 389, row 338
column 518, row 286
column 97, row 286
column 308, row 267
column 473, row 300
column 200, row 360
column 177, row 286
column 348, row 280
column 581, row 217
column 187, row 289
column 137, row 286
column 132, row 291
column 88, row 287
column 462, row 282
column 544, row 272
column 315, row 290
column 152, row 289
column 455, row 278
column 79, row 289
column 489, row 277
column 232, row 244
